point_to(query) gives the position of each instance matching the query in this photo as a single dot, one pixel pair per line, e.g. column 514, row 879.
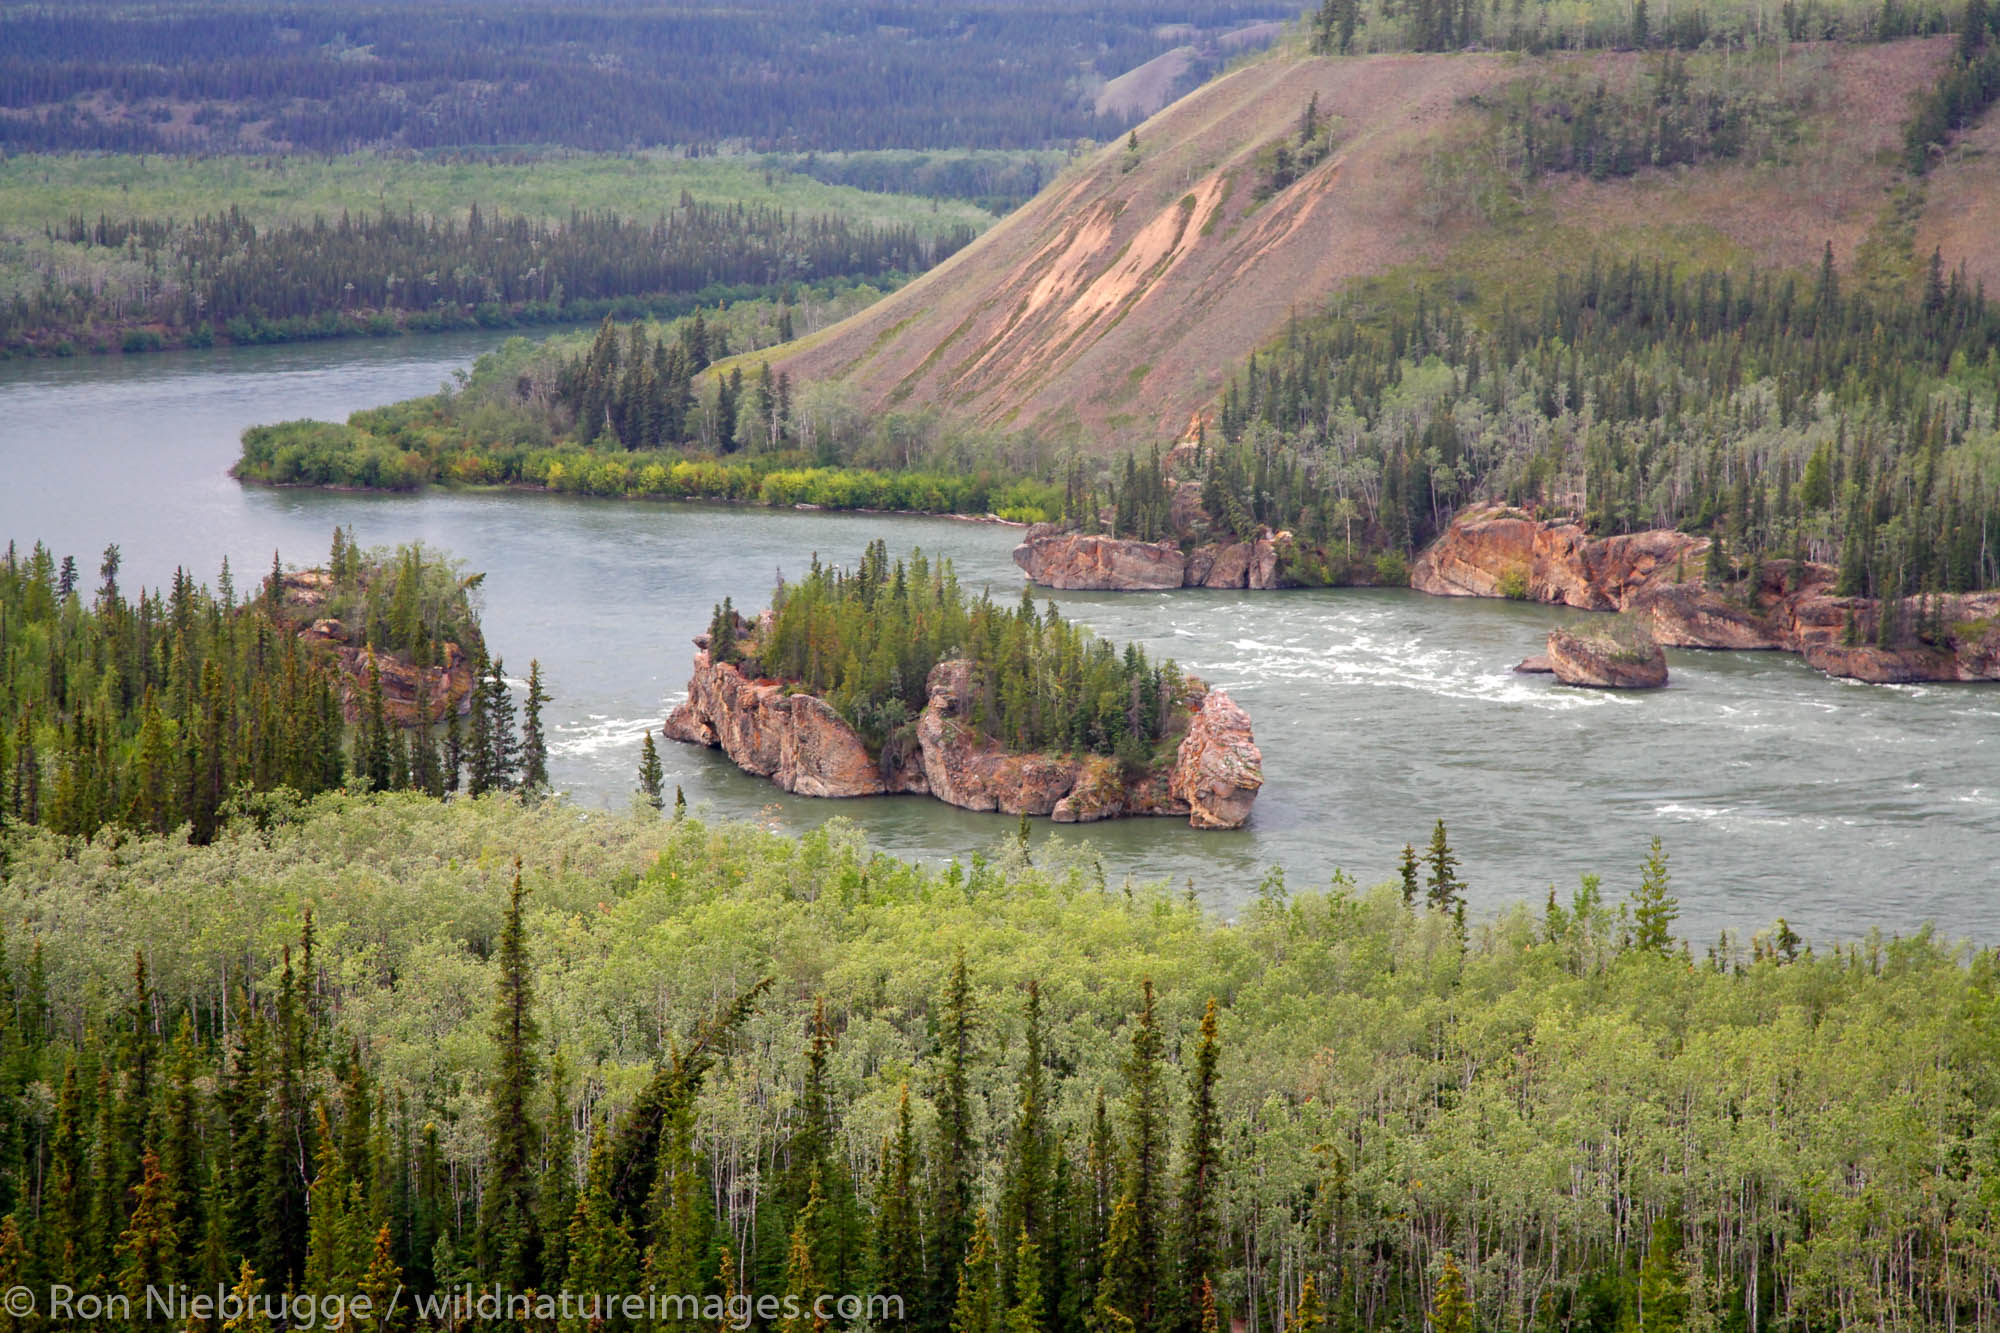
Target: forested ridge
column 767, row 74
column 867, row 638
column 1826, row 416
column 671, row 1057
column 223, row 277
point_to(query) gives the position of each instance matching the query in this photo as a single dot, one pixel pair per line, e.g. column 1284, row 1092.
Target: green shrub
column 1391, row 570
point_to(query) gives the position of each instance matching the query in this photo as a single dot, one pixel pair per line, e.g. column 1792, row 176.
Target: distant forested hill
column 790, row 75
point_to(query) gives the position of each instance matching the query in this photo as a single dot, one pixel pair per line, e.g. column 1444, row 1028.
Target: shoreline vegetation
column 661, row 428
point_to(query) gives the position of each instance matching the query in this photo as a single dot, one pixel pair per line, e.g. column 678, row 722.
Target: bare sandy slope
column 1114, row 304
column 1143, row 90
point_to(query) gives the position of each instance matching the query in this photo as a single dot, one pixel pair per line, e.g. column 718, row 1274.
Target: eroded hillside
column 1118, row 300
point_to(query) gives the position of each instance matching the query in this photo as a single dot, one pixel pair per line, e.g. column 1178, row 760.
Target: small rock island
column 889, row 678
column 1606, row 659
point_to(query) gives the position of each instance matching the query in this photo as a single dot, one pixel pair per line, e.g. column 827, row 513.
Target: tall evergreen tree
column 652, row 779
column 534, row 746
column 953, row 1164
column 509, row 1226
column 1200, row 1227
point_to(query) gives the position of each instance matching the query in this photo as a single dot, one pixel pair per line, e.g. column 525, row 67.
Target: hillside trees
column 1386, row 1085
column 1787, row 416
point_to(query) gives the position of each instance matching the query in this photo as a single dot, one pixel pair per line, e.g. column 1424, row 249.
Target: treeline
column 1792, row 416
column 1344, row 1111
column 866, row 640
column 161, row 711
column 1673, row 116
column 333, row 78
column 1964, row 90
column 222, row 277
column 1539, row 26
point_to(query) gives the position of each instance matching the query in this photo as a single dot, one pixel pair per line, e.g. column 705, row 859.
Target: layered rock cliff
column 802, row 745
column 1077, row 560
column 1655, row 576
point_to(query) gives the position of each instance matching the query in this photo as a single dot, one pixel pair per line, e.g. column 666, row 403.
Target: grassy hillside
column 1118, row 302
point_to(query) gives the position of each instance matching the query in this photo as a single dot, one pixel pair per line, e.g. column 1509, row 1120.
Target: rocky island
column 889, row 679
column 1657, row 577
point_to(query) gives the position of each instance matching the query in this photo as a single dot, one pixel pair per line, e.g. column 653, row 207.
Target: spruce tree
column 148, row 1250
column 1137, row 1283
column 1200, row 1228
column 479, row 776
column 1451, row 1307
column 1409, row 875
column 977, row 1308
column 652, row 779
column 899, row 1261
column 1027, row 1187
column 1027, row 1312
column 375, row 761
column 1444, row 892
column 503, row 748
column 534, row 746
column 558, row 1177
column 1307, row 1316
column 601, row 1255
column 1655, row 909
column 509, row 1227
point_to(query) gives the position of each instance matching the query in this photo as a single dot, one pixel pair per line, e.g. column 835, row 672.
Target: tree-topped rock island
column 889, row 678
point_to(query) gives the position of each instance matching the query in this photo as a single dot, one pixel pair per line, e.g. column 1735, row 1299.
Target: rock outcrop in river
column 1053, row 558
column 1656, row 577
column 1604, row 663
column 802, row 745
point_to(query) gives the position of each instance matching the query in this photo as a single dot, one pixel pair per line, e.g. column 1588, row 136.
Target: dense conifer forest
column 225, row 278
column 767, row 74
column 866, row 638
column 162, row 711
column 666, row 1057
column 1826, row 416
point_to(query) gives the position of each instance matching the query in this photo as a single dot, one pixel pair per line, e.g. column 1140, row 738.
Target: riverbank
column 1659, row 576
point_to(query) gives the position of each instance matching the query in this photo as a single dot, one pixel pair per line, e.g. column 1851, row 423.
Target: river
column 1777, row 791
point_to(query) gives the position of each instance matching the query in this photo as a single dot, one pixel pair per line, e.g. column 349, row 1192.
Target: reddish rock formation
column 973, row 772
column 1076, row 560
column 1603, row 663
column 1538, row 665
column 1486, row 550
column 1494, row 552
column 1081, row 560
column 1219, row 767
column 447, row 689
column 796, row 740
column 800, row 743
